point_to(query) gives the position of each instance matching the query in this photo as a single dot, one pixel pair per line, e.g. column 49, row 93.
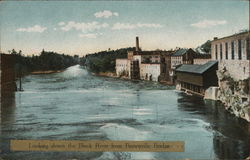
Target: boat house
column 195, row 79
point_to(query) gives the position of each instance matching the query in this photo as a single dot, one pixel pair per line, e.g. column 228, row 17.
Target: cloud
column 105, row 14
column 208, row 23
column 35, row 28
column 84, row 27
column 61, row 23
column 89, row 35
column 121, row 26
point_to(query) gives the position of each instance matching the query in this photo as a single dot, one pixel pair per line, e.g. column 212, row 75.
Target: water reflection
column 229, row 142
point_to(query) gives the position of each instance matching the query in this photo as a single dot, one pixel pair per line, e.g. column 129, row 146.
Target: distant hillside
column 104, row 61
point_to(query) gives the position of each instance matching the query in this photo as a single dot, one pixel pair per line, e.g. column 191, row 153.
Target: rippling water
column 75, row 105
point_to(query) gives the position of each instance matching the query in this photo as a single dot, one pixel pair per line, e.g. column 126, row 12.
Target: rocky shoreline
column 235, row 95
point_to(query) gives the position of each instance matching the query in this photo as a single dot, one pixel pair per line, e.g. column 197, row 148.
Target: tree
column 205, row 47
column 20, row 53
column 13, row 51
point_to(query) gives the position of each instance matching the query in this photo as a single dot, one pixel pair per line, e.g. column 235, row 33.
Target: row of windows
column 177, row 57
column 121, row 65
column 152, row 66
column 226, row 50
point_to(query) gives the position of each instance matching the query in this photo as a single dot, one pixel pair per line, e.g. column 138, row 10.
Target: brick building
column 182, row 56
column 145, row 65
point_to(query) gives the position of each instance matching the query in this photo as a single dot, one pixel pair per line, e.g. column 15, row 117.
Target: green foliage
column 45, row 61
column 206, row 47
column 104, row 61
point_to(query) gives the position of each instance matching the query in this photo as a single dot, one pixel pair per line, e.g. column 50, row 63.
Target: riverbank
column 109, row 74
column 47, row 72
column 234, row 94
column 106, row 109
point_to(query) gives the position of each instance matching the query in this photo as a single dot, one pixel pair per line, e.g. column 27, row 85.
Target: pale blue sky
column 91, row 26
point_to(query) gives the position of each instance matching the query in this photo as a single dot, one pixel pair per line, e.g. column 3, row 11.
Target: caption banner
column 96, row 146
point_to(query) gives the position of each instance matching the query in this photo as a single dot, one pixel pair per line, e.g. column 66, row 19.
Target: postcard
column 130, row 80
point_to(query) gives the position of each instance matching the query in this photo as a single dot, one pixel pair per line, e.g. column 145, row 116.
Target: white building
column 150, row 71
column 122, row 67
column 233, row 54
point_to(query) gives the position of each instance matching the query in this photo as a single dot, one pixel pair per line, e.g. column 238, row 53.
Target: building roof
column 237, row 34
column 156, row 52
column 182, row 51
column 195, row 68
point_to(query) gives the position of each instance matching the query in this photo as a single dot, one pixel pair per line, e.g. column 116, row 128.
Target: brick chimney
column 215, row 38
column 137, row 44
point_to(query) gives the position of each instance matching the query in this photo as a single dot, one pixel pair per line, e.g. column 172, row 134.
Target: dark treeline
column 45, row 61
column 104, row 61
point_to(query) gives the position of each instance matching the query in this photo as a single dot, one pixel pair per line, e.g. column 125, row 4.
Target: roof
column 180, row 52
column 196, row 68
column 237, row 34
column 153, row 52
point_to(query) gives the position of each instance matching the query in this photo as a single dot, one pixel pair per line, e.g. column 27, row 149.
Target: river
column 76, row 105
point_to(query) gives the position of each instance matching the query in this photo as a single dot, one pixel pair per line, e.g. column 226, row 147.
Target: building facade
column 145, row 65
column 122, row 67
column 196, row 79
column 182, row 56
column 233, row 54
column 202, row 58
column 150, row 71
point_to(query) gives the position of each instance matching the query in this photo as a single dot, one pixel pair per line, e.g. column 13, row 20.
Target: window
column 232, row 49
column 248, row 48
column 220, row 51
column 226, row 50
column 216, row 51
column 239, row 49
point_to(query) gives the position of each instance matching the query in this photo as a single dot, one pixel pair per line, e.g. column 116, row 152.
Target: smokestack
column 137, row 44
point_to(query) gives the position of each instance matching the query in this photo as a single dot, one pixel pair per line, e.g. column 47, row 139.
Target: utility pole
column 20, row 72
column 20, row 78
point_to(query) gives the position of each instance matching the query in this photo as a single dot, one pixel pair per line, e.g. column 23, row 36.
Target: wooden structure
column 7, row 72
column 196, row 79
column 182, row 56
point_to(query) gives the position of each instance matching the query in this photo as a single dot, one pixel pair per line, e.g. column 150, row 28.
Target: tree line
column 47, row 60
column 104, row 61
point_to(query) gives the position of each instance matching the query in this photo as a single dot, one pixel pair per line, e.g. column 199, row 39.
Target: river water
column 75, row 105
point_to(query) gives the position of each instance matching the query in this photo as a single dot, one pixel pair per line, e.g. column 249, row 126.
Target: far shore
column 47, row 72
column 105, row 74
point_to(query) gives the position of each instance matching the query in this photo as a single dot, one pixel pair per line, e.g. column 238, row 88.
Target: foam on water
column 122, row 132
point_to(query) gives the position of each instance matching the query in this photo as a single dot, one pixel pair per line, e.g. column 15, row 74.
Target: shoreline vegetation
column 47, row 62
column 104, row 61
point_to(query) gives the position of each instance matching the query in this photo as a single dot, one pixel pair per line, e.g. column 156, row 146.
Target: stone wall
column 234, row 94
column 238, row 69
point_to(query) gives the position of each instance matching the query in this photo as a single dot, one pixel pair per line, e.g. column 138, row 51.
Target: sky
column 82, row 27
